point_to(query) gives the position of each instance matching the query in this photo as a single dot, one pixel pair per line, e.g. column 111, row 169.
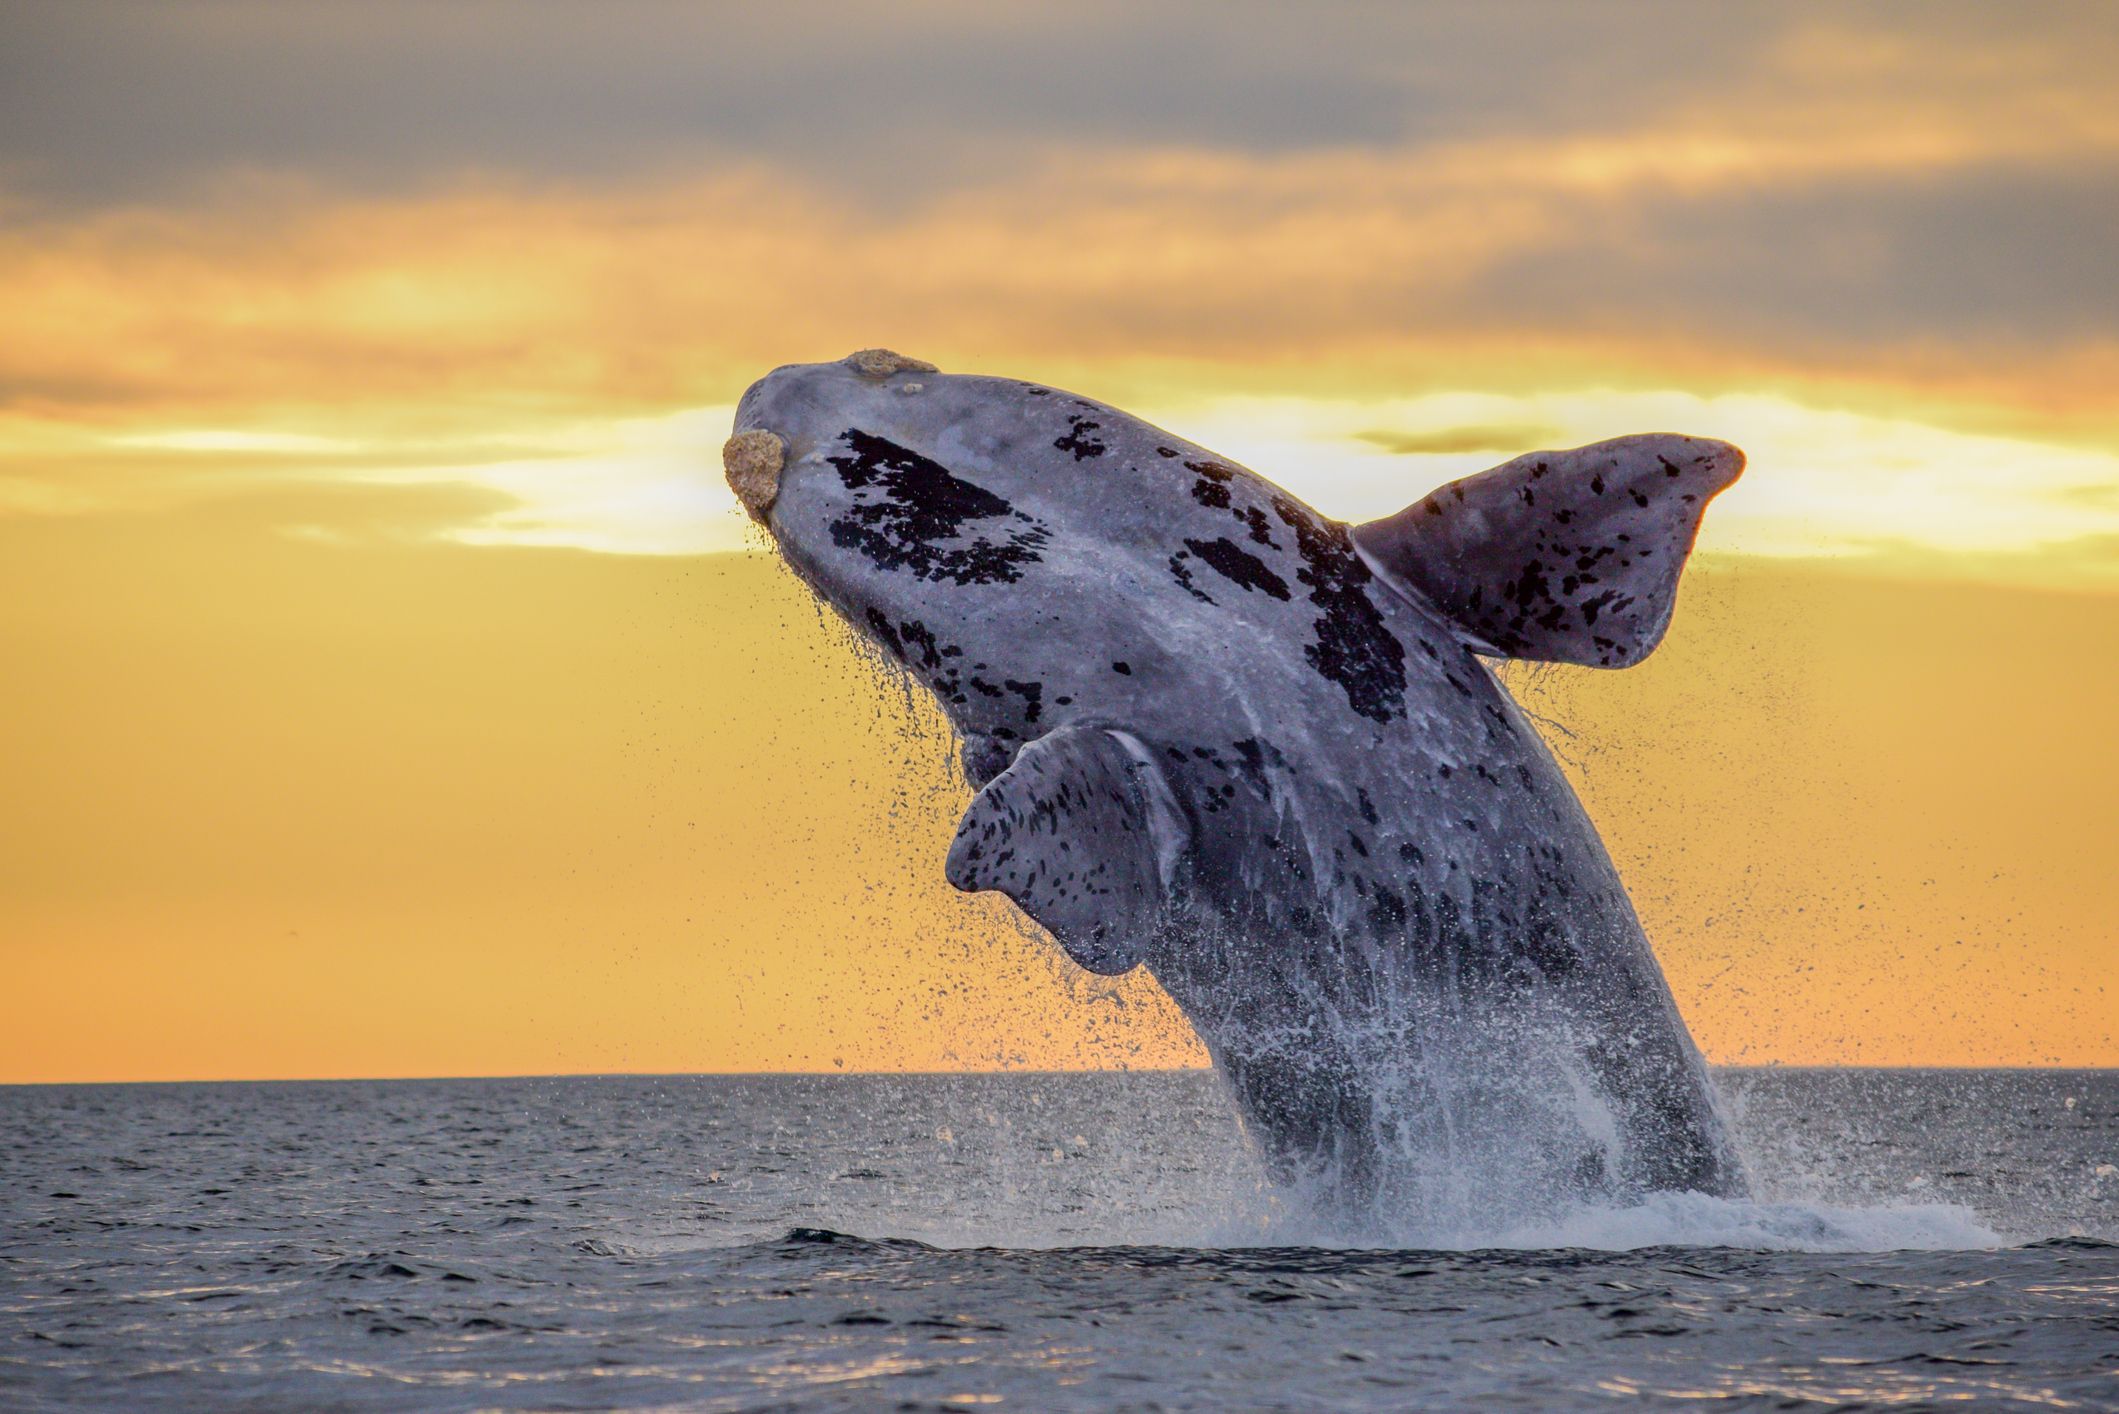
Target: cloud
column 1411, row 189
column 460, row 306
column 145, row 104
column 544, row 274
column 137, row 100
column 576, row 352
column 1993, row 254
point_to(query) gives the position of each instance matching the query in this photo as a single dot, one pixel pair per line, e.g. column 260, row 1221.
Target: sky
column 394, row 687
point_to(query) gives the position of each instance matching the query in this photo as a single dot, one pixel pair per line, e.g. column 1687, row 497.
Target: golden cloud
column 553, row 339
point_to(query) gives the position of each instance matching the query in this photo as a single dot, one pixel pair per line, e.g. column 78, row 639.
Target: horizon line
column 1747, row 1067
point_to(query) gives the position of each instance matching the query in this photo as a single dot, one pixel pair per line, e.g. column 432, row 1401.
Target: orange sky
column 389, row 693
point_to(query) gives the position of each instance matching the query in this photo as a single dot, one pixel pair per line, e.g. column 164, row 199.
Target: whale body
column 1259, row 752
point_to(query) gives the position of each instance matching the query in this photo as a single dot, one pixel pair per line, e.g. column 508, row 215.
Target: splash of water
column 1159, row 1159
column 1486, row 1131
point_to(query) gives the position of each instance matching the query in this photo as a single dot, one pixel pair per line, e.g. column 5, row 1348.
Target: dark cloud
column 2017, row 255
column 886, row 115
column 113, row 100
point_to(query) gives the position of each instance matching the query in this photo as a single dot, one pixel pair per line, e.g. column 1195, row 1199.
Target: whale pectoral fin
column 1571, row 557
column 1083, row 833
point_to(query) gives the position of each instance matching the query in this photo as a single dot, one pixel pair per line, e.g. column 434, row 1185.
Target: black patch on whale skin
column 1212, row 494
column 887, row 634
column 1256, row 520
column 1078, row 439
column 1183, row 576
column 907, row 508
column 1216, row 490
column 1252, row 758
column 1033, row 695
column 918, row 635
column 915, row 645
column 1354, row 647
column 1239, row 566
column 1212, row 488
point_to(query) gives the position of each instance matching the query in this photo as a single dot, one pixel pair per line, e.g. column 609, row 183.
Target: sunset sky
column 392, row 686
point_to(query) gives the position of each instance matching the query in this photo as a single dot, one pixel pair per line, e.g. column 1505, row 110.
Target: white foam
column 1698, row 1220
column 1232, row 1209
column 1660, row 1220
column 1693, row 1220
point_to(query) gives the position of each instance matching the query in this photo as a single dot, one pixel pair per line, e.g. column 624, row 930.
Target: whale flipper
column 1083, row 833
column 1570, row 557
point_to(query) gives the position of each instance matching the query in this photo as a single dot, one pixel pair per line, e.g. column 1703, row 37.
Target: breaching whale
column 1257, row 751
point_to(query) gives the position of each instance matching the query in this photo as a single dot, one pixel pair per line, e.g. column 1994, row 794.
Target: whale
column 1265, row 755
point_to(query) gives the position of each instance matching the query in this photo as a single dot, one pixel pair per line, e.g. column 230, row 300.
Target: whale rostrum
column 1259, row 752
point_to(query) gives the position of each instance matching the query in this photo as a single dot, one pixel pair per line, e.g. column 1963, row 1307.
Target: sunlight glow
column 1822, row 482
column 237, row 440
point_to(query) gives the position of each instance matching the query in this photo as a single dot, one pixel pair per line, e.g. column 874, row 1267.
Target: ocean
column 1027, row 1241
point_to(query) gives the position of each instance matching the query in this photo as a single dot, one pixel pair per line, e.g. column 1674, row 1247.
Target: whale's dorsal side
column 1083, row 833
column 1569, row 557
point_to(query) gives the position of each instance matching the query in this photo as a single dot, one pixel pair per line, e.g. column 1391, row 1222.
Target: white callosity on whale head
column 752, row 461
column 1254, row 749
column 881, row 363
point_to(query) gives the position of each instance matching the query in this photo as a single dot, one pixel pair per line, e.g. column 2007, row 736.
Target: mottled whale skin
column 1257, row 750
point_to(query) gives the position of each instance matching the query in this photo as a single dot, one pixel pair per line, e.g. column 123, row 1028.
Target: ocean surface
column 1042, row 1242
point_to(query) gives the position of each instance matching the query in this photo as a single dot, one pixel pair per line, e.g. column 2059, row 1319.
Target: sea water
column 1033, row 1241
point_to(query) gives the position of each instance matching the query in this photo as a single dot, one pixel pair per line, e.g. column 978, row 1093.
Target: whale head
column 988, row 534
